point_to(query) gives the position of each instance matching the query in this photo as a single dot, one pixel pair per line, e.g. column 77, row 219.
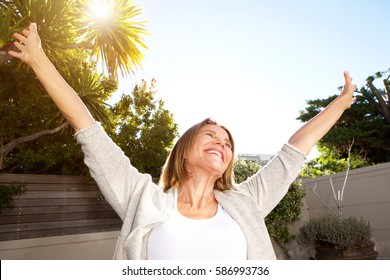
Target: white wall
column 366, row 195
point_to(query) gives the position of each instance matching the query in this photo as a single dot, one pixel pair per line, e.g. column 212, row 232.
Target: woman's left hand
column 317, row 127
column 346, row 94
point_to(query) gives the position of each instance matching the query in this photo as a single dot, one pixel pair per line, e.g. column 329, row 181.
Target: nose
column 219, row 141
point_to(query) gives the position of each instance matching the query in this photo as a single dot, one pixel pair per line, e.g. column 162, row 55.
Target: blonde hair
column 174, row 171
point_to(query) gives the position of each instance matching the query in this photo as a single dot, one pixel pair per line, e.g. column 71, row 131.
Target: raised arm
column 308, row 135
column 66, row 99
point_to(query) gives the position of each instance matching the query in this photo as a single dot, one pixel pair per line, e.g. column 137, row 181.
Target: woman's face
column 211, row 151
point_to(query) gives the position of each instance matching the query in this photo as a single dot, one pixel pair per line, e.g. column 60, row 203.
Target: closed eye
column 212, row 135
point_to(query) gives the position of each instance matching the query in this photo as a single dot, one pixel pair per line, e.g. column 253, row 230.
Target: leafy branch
column 5, row 149
column 7, row 192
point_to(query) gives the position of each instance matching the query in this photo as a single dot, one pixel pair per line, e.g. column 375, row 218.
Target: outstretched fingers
column 19, row 46
column 28, row 43
column 26, row 32
column 20, row 37
column 19, row 43
column 347, row 77
column 17, row 54
column 348, row 81
column 348, row 90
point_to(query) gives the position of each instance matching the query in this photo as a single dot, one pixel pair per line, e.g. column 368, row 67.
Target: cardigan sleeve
column 270, row 184
column 117, row 179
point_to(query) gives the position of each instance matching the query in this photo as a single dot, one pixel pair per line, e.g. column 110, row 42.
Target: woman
column 197, row 213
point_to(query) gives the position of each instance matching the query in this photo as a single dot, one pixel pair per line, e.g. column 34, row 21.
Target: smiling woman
column 197, row 200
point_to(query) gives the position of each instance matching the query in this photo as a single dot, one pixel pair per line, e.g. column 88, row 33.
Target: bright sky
column 252, row 64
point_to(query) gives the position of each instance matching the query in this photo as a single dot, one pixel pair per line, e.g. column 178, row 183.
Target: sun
column 101, row 10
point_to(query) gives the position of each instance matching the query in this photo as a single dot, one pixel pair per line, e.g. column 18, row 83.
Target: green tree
column 330, row 162
column 377, row 97
column 243, row 169
column 287, row 211
column 27, row 114
column 145, row 130
column 365, row 122
column 75, row 39
column 137, row 122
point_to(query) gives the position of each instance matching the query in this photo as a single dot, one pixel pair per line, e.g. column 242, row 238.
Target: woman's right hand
column 66, row 99
column 29, row 45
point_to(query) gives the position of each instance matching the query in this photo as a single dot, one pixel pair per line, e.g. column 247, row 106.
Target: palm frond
column 88, row 84
column 55, row 23
column 116, row 42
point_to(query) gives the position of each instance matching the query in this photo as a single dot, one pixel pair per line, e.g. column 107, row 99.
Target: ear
column 185, row 153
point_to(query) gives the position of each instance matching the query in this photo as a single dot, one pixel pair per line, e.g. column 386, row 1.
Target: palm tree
column 67, row 24
column 71, row 32
column 114, row 37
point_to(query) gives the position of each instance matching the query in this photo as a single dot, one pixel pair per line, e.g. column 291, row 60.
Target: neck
column 196, row 198
column 197, row 191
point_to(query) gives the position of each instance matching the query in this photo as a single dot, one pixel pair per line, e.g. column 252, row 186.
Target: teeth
column 215, row 152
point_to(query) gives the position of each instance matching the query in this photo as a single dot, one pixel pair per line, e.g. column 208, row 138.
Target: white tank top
column 182, row 238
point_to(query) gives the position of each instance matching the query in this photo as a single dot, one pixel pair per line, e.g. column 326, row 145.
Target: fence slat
column 16, row 219
column 55, row 232
column 57, row 224
column 25, row 202
column 21, row 211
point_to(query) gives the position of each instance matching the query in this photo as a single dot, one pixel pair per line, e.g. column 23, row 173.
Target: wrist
column 39, row 62
column 342, row 102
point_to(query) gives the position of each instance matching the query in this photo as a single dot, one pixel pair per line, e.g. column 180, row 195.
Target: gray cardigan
column 141, row 204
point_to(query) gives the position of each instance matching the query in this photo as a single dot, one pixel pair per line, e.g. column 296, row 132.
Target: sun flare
column 101, row 10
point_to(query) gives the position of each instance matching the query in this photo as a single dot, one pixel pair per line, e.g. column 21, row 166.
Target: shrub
column 334, row 232
column 6, row 193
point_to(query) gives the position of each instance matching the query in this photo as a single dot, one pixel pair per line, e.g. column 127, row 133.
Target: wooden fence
column 55, row 205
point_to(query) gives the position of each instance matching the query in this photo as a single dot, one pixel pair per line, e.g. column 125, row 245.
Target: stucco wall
column 366, row 195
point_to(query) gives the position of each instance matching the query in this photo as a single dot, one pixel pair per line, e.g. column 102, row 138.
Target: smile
column 215, row 152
